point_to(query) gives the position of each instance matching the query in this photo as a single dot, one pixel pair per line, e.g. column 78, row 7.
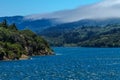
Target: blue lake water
column 68, row 64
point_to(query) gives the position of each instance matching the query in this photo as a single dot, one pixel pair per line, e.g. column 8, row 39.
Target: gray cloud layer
column 102, row 10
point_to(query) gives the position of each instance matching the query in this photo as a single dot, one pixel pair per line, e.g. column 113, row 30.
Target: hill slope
column 84, row 36
column 14, row 43
column 34, row 25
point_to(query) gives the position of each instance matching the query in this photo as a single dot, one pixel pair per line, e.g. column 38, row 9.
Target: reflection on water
column 68, row 64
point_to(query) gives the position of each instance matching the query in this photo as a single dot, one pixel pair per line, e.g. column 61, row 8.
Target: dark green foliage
column 85, row 36
column 13, row 27
column 4, row 24
column 15, row 43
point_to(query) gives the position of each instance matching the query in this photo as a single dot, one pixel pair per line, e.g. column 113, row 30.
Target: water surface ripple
column 73, row 63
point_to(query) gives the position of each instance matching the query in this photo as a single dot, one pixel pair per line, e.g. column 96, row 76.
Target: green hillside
column 84, row 36
column 15, row 44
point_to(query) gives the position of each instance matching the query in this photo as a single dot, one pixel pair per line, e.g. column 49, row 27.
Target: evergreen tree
column 13, row 27
column 0, row 24
column 4, row 23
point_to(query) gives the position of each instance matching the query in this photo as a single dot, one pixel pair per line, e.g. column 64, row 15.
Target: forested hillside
column 84, row 36
column 15, row 44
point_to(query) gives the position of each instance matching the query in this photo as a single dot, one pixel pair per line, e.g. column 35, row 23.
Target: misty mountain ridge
column 102, row 10
column 34, row 25
column 98, row 14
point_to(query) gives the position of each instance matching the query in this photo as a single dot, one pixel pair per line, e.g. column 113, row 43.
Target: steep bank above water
column 14, row 43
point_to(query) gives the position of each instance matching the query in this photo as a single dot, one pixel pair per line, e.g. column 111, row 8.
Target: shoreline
column 24, row 57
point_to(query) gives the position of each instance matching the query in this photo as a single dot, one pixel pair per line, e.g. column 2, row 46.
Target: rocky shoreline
column 20, row 44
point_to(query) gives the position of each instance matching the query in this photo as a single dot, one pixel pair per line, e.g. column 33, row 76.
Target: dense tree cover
column 84, row 36
column 15, row 43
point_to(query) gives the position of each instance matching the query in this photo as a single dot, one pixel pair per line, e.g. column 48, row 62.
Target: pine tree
column 4, row 23
column 13, row 27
